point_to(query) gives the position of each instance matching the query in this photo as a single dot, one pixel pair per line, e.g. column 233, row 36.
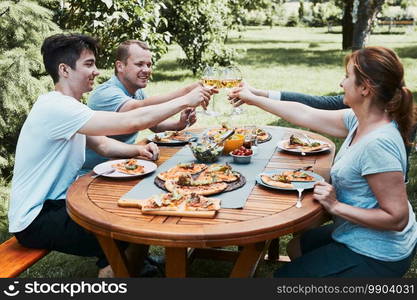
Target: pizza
column 285, row 179
column 218, row 173
column 129, row 166
column 304, row 145
column 261, row 135
column 175, row 204
column 277, row 181
column 181, row 169
column 164, row 202
column 172, row 136
column 195, row 202
column 185, row 184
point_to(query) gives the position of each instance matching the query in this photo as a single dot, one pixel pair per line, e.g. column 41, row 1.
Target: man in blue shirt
column 124, row 92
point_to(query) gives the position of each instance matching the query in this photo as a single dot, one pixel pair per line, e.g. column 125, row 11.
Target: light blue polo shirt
column 381, row 150
column 110, row 96
column 49, row 154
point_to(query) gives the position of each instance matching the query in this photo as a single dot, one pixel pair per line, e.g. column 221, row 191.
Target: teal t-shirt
column 381, row 150
column 49, row 154
column 109, row 96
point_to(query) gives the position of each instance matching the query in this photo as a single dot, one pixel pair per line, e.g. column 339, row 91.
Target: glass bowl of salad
column 206, row 152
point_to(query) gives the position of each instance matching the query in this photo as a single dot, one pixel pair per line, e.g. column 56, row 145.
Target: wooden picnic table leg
column 115, row 255
column 248, row 259
column 273, row 250
column 175, row 262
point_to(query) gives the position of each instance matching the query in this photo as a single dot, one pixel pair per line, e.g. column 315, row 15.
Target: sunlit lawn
column 298, row 59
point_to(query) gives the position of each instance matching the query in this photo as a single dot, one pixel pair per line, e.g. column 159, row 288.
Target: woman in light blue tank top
column 374, row 233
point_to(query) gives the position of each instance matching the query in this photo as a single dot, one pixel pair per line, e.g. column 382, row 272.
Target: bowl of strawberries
column 242, row 155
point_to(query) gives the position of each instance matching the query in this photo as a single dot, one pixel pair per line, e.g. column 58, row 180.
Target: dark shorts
column 324, row 257
column 53, row 229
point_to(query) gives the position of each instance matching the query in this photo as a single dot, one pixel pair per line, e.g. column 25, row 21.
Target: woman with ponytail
column 374, row 233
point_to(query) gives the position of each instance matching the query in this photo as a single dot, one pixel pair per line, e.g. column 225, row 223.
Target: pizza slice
column 130, row 166
column 185, row 184
column 187, row 205
column 261, row 134
column 298, row 175
column 219, row 173
column 181, row 169
column 284, row 179
column 170, row 136
column 195, row 202
column 305, row 146
column 164, row 202
column 277, row 180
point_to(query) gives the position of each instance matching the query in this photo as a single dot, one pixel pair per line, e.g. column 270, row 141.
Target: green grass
column 306, row 60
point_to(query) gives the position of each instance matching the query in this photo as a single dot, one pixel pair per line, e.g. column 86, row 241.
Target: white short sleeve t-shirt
column 49, row 154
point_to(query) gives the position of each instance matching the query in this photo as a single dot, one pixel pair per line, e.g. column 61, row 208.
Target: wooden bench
column 396, row 23
column 14, row 258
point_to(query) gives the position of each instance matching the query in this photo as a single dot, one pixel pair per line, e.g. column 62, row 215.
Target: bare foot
column 106, row 272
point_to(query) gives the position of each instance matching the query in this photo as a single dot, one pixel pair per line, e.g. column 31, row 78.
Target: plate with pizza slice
column 173, row 138
column 175, row 204
column 303, row 145
column 125, row 168
column 282, row 179
column 262, row 136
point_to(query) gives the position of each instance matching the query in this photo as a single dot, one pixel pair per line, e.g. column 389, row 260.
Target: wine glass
column 210, row 79
column 232, row 77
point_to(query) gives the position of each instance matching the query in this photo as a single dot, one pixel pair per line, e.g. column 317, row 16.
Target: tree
column 113, row 21
column 365, row 14
column 358, row 17
column 347, row 25
column 24, row 25
column 200, row 28
column 301, row 10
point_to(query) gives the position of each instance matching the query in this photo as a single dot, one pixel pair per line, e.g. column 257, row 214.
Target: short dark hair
column 67, row 49
column 122, row 52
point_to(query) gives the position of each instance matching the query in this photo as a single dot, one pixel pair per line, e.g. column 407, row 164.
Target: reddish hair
column 380, row 69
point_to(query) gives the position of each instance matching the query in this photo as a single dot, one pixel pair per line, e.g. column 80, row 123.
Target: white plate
column 172, row 142
column 106, row 166
column 307, row 185
column 281, row 145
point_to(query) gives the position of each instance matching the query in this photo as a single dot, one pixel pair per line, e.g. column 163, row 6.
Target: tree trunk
column 347, row 24
column 367, row 10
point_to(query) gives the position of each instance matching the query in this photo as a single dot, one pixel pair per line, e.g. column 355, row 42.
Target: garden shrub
column 200, row 27
column 4, row 201
column 24, row 25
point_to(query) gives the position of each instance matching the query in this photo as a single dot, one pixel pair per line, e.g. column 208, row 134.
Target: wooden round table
column 267, row 215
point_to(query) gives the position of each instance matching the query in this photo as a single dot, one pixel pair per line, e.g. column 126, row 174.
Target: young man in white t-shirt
column 51, row 146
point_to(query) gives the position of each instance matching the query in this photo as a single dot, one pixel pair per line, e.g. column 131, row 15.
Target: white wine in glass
column 210, row 79
column 232, row 77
